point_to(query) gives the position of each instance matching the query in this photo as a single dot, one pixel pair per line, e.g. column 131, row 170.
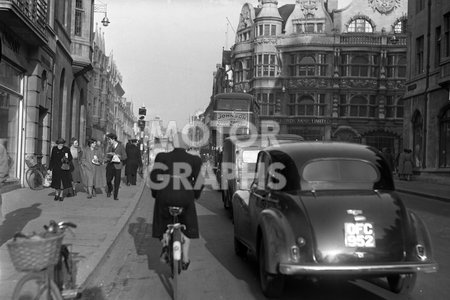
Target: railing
column 34, row 10
column 356, row 39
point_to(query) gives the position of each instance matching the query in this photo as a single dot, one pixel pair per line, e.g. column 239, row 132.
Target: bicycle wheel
column 64, row 271
column 34, row 286
column 175, row 263
column 35, row 179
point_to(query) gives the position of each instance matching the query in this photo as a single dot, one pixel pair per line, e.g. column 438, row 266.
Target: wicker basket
column 35, row 255
column 30, row 162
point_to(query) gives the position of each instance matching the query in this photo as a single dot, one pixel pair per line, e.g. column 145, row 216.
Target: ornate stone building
column 427, row 117
column 326, row 71
column 109, row 111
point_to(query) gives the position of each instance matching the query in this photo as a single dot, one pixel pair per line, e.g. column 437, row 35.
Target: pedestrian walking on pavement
column 90, row 164
column 115, row 155
column 100, row 176
column 60, row 161
column 405, row 165
column 134, row 161
column 77, row 153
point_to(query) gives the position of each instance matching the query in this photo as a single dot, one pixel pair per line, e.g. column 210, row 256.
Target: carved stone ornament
column 384, row 6
column 245, row 18
column 260, row 41
column 308, row 6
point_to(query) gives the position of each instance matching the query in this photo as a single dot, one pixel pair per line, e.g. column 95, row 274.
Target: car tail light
column 420, row 251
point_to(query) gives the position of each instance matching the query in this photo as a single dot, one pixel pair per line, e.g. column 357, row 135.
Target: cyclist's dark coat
column 175, row 193
column 61, row 179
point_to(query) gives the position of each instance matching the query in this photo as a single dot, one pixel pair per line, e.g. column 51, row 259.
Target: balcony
column 26, row 18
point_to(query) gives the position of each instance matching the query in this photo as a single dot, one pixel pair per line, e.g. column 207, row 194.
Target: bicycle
column 35, row 175
column 48, row 263
column 174, row 242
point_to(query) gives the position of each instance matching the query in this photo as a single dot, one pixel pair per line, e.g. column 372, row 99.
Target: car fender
column 419, row 236
column 275, row 231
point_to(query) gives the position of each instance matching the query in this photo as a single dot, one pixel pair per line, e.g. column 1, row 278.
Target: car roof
column 302, row 152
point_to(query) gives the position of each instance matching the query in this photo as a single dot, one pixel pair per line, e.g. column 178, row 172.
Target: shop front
column 11, row 107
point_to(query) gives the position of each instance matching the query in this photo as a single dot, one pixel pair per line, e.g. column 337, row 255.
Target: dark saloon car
column 322, row 209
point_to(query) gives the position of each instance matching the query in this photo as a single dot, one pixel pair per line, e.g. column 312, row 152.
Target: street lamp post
column 102, row 8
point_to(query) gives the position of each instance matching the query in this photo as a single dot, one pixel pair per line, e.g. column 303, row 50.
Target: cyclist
column 176, row 180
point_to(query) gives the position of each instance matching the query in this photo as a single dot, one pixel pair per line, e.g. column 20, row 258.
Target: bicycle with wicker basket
column 48, row 263
column 37, row 172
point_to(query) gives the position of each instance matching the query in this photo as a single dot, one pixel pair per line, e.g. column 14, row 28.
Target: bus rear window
column 233, row 104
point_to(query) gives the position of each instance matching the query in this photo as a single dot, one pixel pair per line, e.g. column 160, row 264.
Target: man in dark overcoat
column 176, row 180
column 134, row 161
column 117, row 155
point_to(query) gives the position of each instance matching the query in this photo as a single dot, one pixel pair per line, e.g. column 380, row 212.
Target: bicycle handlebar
column 61, row 226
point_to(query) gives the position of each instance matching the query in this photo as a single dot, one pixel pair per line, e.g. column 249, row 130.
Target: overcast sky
column 167, row 50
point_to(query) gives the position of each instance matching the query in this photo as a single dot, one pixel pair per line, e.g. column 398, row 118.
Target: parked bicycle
column 36, row 172
column 49, row 264
column 174, row 242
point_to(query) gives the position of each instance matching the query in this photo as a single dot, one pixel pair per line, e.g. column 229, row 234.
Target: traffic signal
column 142, row 111
column 141, row 121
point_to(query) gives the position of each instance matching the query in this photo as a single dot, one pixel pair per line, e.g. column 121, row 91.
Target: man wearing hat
column 60, row 161
column 134, row 161
column 116, row 156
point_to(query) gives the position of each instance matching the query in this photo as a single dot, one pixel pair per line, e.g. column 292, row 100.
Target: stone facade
column 326, row 71
column 46, row 63
column 427, row 119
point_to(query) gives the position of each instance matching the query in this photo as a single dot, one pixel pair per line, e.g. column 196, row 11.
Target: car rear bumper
column 293, row 269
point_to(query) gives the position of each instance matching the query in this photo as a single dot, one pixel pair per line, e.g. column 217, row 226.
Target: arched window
column 238, row 72
column 307, row 66
column 306, row 106
column 360, row 25
column 360, row 66
column 358, row 106
column 301, row 105
column 400, row 26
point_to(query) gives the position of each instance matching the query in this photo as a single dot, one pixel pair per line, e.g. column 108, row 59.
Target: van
column 238, row 161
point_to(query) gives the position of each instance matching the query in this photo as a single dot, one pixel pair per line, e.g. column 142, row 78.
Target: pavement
column 100, row 220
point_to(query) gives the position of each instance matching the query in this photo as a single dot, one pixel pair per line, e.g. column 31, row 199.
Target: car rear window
column 339, row 174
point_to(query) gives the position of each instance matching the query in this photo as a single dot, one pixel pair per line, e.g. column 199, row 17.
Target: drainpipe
column 427, row 85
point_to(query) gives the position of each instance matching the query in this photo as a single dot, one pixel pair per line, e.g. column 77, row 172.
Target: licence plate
column 359, row 234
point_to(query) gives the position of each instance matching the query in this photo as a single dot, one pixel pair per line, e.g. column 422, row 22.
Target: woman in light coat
column 90, row 166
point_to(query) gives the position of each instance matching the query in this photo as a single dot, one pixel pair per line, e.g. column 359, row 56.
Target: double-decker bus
column 226, row 110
